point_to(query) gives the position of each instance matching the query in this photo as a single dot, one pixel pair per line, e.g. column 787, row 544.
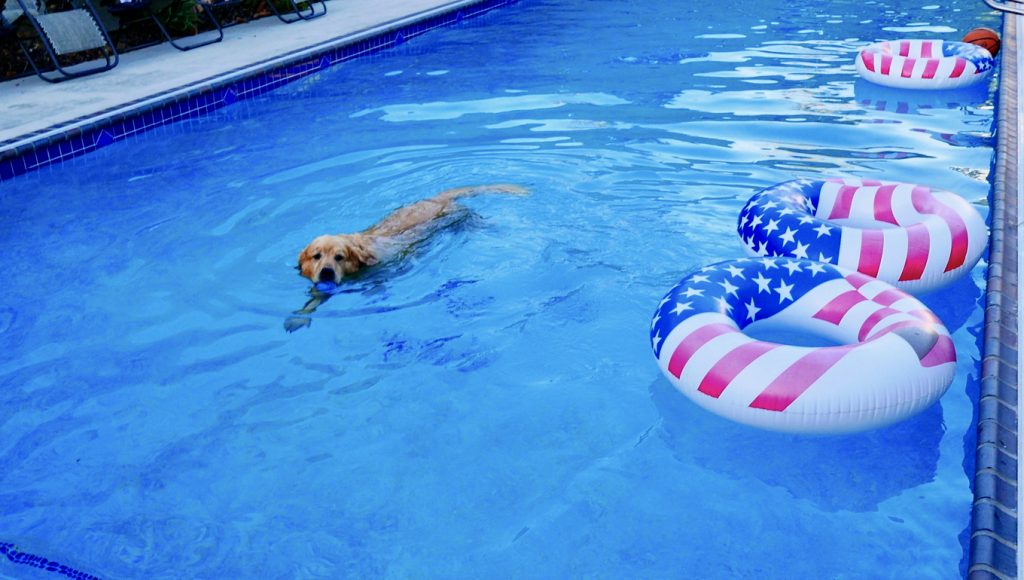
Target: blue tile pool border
column 77, row 137
column 994, row 521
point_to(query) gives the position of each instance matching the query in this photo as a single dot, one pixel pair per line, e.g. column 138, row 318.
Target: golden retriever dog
column 330, row 258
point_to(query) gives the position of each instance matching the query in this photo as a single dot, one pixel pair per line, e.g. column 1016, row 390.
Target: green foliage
column 181, row 17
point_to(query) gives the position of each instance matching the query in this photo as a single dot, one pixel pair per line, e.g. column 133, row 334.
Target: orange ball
column 985, row 38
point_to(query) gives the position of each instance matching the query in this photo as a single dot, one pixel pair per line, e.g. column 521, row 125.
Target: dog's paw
column 293, row 323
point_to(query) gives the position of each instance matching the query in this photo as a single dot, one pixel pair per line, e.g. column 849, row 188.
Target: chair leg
column 189, row 46
column 299, row 13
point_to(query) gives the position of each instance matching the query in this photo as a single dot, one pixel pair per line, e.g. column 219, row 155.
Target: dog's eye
column 316, row 256
column 338, row 257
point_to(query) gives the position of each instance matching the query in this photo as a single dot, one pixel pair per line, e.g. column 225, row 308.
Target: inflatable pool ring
column 924, row 64
column 913, row 237
column 895, row 358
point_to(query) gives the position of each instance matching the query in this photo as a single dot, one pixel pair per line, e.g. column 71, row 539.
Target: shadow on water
column 853, row 472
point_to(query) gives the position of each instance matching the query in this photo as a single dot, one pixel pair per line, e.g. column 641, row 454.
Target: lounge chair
column 298, row 12
column 142, row 10
column 61, row 34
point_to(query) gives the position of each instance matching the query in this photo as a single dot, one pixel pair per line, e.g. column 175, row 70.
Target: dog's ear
column 360, row 250
column 305, row 257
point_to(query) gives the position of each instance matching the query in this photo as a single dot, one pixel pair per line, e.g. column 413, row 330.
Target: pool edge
column 67, row 140
column 994, row 521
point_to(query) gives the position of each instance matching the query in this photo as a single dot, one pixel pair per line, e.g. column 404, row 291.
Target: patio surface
column 30, row 105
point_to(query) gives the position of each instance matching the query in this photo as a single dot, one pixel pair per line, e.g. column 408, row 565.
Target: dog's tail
column 506, row 188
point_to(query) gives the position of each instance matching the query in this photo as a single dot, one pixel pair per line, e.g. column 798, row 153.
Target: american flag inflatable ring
column 895, row 358
column 913, row 237
column 924, row 64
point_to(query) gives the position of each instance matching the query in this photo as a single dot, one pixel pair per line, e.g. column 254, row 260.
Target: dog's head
column 330, row 258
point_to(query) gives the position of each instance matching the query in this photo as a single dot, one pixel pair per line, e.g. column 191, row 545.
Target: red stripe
column 926, row 49
column 904, row 48
column 908, row 68
column 889, row 297
column 692, row 342
column 925, row 202
column 883, row 204
column 958, row 68
column 844, row 201
column 869, row 62
column 873, row 320
column 732, row 364
column 835, row 310
column 799, row 377
column 886, row 63
column 918, row 246
column 857, row 280
column 871, row 243
column 943, row 352
column 931, row 66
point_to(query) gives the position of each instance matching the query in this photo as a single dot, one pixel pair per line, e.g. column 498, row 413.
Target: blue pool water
column 488, row 405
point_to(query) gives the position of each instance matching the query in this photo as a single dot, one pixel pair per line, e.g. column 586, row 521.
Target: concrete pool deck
column 31, row 107
column 32, row 111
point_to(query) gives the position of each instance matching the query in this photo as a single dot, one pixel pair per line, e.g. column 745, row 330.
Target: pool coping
column 994, row 523
column 69, row 139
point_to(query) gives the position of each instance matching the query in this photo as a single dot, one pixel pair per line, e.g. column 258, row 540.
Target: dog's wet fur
column 332, row 258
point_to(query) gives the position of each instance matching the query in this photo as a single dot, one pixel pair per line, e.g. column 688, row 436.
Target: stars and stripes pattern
column 924, row 63
column 696, row 330
column 905, row 234
column 744, row 291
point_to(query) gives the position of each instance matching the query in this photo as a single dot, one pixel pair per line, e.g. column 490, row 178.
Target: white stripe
column 849, row 248
column 940, row 242
column 945, row 69
column 977, row 231
column 895, row 244
column 862, row 208
column 826, row 199
column 903, row 205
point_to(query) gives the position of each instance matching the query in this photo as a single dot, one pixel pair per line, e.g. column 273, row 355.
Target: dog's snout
column 326, row 275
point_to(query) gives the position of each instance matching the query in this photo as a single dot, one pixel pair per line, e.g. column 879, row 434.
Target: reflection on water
column 916, row 102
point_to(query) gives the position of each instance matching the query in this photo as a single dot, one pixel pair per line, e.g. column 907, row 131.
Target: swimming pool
column 488, row 405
